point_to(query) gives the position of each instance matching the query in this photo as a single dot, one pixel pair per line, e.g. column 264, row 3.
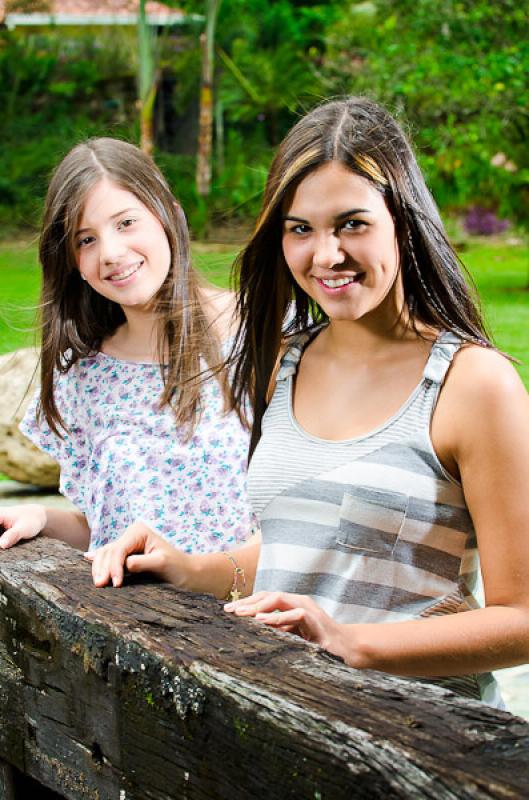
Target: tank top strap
column 443, row 350
column 441, row 355
column 294, row 350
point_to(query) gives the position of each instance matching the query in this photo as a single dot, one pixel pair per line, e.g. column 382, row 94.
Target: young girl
column 127, row 331
column 391, row 445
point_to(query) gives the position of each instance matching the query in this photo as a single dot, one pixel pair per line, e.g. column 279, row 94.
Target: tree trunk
column 147, row 80
column 205, row 122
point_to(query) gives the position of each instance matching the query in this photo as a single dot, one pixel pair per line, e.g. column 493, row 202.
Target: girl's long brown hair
column 361, row 135
column 76, row 320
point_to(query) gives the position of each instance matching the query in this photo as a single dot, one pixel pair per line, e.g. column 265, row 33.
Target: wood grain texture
column 145, row 693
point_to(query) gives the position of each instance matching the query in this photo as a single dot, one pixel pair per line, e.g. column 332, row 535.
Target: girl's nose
column 328, row 252
column 112, row 247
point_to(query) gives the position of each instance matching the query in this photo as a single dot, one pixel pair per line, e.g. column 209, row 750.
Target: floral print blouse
column 123, row 459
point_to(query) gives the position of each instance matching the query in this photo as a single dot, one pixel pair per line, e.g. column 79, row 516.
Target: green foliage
column 458, row 72
column 54, row 91
column 276, row 48
column 235, row 193
column 280, row 82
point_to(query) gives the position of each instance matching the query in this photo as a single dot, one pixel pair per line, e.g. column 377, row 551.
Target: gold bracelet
column 238, row 572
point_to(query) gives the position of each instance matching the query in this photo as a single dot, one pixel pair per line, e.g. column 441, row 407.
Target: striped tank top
column 374, row 529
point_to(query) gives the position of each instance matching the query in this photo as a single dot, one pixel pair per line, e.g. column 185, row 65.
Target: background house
column 34, row 13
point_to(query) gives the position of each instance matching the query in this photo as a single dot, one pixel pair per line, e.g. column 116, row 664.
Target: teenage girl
column 390, row 450
column 132, row 402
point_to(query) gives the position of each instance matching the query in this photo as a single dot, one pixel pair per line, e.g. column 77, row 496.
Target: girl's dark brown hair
column 361, row 135
column 76, row 320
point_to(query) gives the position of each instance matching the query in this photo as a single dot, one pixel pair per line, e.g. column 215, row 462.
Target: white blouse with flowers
column 123, row 458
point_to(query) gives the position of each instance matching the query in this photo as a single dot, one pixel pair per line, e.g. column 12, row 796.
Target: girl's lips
column 339, row 285
column 123, row 276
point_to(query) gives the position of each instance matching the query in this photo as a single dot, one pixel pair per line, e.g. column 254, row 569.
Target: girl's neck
column 136, row 339
column 344, row 339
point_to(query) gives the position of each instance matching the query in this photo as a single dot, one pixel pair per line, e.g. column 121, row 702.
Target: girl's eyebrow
column 113, row 216
column 338, row 217
column 351, row 212
column 288, row 218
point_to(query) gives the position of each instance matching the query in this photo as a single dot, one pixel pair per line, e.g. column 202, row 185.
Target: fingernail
column 228, row 607
column 114, row 581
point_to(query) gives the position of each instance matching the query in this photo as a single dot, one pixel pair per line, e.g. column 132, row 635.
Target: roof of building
column 86, row 12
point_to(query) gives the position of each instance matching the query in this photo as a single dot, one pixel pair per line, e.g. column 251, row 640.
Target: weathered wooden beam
column 7, row 784
column 145, row 693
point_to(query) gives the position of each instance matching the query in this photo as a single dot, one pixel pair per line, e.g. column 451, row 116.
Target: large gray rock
column 19, row 458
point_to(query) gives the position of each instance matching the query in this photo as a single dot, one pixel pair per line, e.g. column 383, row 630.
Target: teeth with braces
column 119, row 276
column 334, row 284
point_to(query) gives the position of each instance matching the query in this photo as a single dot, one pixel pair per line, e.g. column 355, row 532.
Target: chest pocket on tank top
column 371, row 521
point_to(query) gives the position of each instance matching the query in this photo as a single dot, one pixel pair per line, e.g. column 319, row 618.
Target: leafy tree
column 270, row 53
column 458, row 70
column 267, row 58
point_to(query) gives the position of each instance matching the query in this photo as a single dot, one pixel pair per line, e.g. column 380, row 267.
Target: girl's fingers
column 297, row 621
column 100, row 573
column 13, row 535
column 116, row 569
column 155, row 561
column 245, row 601
column 286, row 612
column 108, row 562
column 8, row 539
column 146, row 562
column 101, row 566
column 277, row 619
column 111, row 568
column 263, row 602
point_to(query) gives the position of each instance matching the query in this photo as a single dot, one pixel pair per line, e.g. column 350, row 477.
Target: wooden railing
column 146, row 693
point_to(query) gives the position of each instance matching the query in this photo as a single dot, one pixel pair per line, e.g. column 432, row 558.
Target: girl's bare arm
column 28, row 520
column 139, row 549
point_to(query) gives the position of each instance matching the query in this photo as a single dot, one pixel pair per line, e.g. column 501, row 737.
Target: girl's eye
column 84, row 241
column 301, row 228
column 126, row 223
column 353, row 225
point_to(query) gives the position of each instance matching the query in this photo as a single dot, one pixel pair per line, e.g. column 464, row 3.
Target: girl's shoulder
column 483, row 374
column 483, row 396
column 220, row 306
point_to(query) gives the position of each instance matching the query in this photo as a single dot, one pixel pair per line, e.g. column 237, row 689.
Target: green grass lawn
column 501, row 274
column 500, row 270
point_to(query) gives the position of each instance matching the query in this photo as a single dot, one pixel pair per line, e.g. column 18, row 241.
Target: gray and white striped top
column 374, row 529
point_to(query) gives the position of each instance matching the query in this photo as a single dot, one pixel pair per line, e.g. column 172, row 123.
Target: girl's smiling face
column 121, row 248
column 340, row 246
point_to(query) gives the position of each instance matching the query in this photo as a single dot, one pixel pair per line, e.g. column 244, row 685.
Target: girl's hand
column 21, row 522
column 292, row 613
column 139, row 549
